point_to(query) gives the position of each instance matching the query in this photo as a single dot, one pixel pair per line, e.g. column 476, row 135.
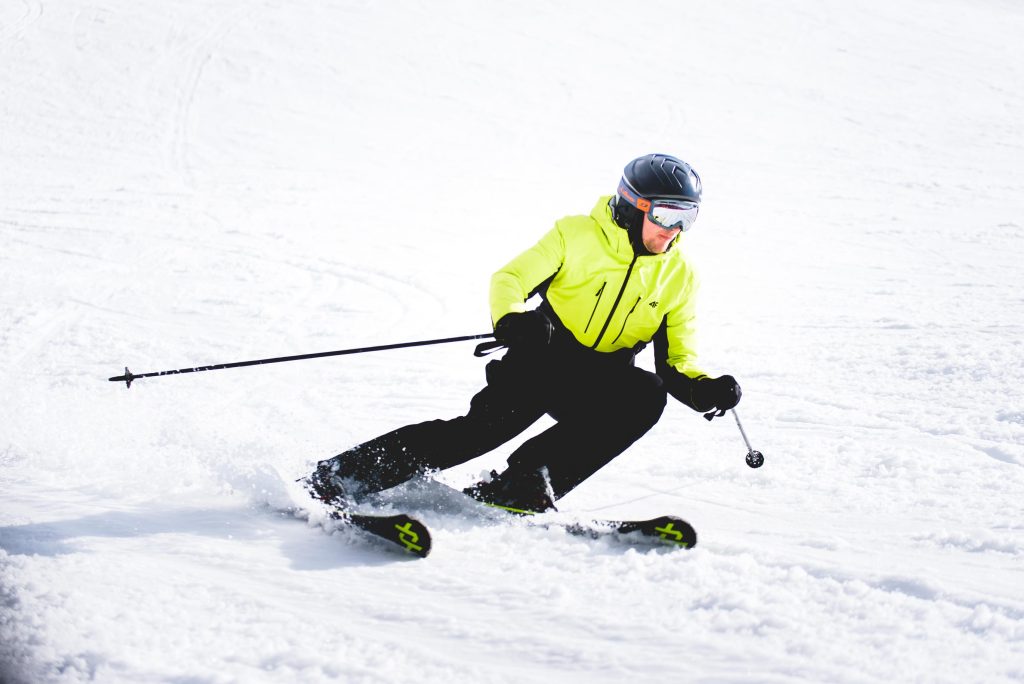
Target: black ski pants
column 601, row 403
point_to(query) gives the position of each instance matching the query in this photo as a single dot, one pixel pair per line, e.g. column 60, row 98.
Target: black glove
column 716, row 393
column 526, row 329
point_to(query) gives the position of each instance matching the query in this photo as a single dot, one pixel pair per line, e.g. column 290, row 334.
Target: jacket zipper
column 626, row 320
column 618, row 297
column 598, row 295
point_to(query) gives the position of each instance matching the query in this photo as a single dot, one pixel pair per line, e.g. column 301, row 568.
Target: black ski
column 399, row 529
column 665, row 529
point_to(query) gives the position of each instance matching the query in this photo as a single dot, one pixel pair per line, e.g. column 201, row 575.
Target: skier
column 609, row 284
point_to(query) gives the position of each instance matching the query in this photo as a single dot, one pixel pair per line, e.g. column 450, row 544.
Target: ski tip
column 672, row 530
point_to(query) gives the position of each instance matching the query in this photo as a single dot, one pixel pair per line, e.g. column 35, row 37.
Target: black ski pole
column 129, row 377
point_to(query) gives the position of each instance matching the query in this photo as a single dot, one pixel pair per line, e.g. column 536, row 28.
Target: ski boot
column 523, row 494
column 324, row 485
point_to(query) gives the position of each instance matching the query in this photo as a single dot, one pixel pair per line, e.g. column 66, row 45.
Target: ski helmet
column 653, row 177
column 659, row 176
column 645, row 181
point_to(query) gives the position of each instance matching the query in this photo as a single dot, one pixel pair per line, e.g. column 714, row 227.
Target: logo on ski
column 409, row 538
column 669, row 533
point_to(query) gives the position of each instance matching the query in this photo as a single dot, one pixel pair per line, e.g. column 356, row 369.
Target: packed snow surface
column 192, row 183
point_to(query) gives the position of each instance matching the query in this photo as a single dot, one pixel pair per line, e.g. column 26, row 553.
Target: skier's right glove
column 526, row 329
column 716, row 393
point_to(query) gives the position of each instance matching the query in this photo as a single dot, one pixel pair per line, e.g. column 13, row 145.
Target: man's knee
column 645, row 401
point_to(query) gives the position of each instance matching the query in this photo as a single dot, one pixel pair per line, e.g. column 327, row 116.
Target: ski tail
column 400, row 529
column 665, row 529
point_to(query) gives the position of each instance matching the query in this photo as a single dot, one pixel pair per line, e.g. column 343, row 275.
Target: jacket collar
column 618, row 237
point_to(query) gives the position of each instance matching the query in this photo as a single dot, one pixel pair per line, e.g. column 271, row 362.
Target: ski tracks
column 197, row 56
column 318, row 286
column 14, row 19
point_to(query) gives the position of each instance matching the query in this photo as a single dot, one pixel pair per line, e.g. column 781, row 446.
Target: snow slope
column 200, row 182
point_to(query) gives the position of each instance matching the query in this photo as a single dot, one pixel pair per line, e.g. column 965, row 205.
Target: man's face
column 655, row 238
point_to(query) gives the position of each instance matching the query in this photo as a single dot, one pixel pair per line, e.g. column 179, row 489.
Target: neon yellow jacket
column 604, row 294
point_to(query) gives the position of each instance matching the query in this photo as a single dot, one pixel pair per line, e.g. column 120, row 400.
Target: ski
column 400, row 529
column 665, row 529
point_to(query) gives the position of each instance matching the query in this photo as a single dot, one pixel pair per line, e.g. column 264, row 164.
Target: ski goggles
column 664, row 213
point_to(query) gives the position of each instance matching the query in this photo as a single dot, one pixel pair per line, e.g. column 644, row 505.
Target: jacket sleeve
column 675, row 353
column 513, row 284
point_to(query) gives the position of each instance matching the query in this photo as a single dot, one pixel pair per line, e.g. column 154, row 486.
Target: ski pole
column 128, row 376
column 755, row 459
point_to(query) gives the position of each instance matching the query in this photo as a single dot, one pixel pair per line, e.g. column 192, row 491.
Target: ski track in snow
column 196, row 184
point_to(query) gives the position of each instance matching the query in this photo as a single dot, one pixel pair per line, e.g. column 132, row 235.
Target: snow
column 195, row 183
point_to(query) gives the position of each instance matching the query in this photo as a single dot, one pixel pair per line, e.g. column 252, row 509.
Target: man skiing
column 609, row 283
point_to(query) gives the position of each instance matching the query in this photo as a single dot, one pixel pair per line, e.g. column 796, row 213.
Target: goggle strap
column 633, row 198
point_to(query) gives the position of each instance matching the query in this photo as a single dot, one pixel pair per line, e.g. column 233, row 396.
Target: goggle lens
column 672, row 215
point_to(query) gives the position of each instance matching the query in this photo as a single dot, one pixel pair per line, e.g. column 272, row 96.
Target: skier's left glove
column 721, row 393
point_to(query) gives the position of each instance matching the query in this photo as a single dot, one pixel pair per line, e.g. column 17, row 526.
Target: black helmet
column 659, row 176
column 652, row 177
